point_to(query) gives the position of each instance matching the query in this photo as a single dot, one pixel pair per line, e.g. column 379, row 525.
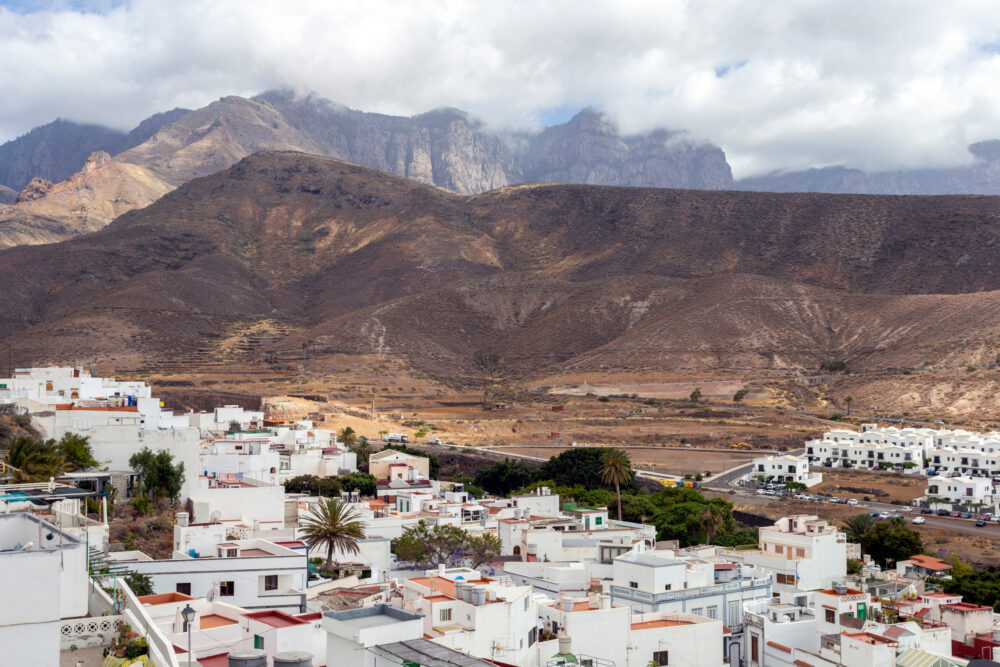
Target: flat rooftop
column 429, row 654
column 371, row 617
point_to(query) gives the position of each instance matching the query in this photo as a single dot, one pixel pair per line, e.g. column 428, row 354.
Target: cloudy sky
column 890, row 84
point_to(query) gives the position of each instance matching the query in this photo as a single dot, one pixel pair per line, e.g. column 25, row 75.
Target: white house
column 253, row 574
column 962, row 490
column 803, row 552
column 44, row 581
column 785, row 468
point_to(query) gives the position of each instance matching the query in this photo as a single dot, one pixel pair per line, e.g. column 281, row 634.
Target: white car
column 434, row 441
column 919, row 519
column 884, row 515
column 852, row 501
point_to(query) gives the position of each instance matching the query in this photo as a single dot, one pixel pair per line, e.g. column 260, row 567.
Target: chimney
column 183, row 519
column 605, row 601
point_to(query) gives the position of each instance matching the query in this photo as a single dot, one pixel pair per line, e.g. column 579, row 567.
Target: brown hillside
column 554, row 277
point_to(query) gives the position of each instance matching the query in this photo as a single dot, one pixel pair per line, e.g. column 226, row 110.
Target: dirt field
column 880, row 486
column 668, row 461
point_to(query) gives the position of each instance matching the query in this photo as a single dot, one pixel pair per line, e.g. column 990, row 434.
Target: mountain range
column 552, row 277
column 444, row 147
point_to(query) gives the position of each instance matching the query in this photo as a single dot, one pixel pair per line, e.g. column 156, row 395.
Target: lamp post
column 188, row 613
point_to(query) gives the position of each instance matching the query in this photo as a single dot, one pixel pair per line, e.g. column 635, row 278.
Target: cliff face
column 589, row 150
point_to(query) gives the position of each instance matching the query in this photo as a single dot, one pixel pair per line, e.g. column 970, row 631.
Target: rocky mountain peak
column 35, row 189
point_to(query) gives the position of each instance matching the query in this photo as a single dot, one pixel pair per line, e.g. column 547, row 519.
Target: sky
column 778, row 84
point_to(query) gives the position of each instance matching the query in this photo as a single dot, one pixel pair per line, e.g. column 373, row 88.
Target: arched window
column 273, row 470
column 517, row 551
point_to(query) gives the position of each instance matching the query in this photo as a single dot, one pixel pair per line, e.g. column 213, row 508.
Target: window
column 666, row 587
column 633, row 584
column 697, row 611
column 444, row 615
column 779, row 548
column 713, row 612
column 271, row 582
column 597, row 521
column 661, row 658
column 231, row 553
column 786, row 579
column 227, row 589
column 831, row 617
column 532, row 636
column 800, row 552
column 754, row 648
column 184, row 588
column 526, row 603
column 258, row 642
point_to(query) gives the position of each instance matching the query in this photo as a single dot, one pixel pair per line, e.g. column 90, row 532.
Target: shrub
column 603, row 399
column 142, row 505
column 833, row 365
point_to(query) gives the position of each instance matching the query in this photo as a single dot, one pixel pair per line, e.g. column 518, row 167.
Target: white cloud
column 778, row 84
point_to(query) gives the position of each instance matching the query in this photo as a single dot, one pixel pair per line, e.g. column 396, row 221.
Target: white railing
column 89, row 631
column 161, row 650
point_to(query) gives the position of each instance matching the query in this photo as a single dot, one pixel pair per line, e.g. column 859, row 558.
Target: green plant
column 603, row 399
column 740, row 395
column 142, row 505
column 695, row 395
column 334, row 526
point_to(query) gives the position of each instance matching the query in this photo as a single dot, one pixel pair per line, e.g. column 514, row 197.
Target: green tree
column 334, row 526
column 141, row 584
column 580, row 465
column 234, row 426
column 795, row 486
column 892, row 540
column 311, row 484
column 424, row 546
column 161, row 478
column 637, row 507
column 504, row 476
column 857, row 527
column 34, row 460
column 695, row 395
column 363, row 450
column 854, row 566
column 617, row 470
column 347, row 436
column 740, row 395
column 849, row 401
column 361, row 482
column 76, row 450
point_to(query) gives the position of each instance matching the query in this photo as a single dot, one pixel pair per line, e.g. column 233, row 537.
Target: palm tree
column 709, row 520
column 617, row 470
column 34, row 460
column 336, row 526
column 348, row 436
column 858, row 526
column 849, row 400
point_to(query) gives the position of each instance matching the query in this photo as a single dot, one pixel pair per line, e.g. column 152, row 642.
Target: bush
column 833, row 365
column 740, row 395
column 853, row 566
column 603, row 399
column 142, row 505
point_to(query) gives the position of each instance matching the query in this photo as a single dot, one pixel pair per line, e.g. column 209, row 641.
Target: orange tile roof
column 209, row 621
column 439, row 584
column 438, row 598
column 850, row 591
column 276, row 618
column 780, row 647
column 929, row 562
column 164, row 598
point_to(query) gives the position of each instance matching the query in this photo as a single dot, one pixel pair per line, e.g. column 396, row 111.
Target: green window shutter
column 258, row 642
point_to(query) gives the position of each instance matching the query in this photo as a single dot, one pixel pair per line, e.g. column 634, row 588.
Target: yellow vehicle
column 741, row 445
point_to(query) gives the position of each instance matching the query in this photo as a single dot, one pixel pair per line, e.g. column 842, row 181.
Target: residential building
column 803, row 552
column 783, row 469
column 253, row 574
column 390, row 464
column 961, row 490
column 44, row 581
column 921, row 566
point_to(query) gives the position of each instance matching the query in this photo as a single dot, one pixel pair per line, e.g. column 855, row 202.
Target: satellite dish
column 216, row 515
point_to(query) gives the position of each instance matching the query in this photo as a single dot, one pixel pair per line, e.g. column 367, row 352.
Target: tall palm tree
column 336, row 526
column 858, row 526
column 617, row 470
column 709, row 519
column 34, row 460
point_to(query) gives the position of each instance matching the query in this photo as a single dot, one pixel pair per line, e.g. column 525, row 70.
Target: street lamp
column 188, row 613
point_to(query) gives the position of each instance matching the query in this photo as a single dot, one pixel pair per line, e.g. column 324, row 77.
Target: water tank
column 479, row 595
column 293, row 659
column 840, row 589
column 247, row 657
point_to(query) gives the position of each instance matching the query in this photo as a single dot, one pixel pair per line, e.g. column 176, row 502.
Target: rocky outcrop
column 36, row 189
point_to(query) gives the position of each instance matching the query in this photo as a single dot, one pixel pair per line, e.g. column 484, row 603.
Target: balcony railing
column 690, row 593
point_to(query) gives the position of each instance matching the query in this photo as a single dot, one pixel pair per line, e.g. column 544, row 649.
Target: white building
column 253, row 574
column 661, row 581
column 962, row 490
column 803, row 552
column 53, row 385
column 44, row 581
column 237, row 498
column 783, row 469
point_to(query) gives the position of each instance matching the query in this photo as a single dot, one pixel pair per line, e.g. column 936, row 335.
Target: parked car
column 843, row 501
column 980, row 523
column 833, row 499
column 919, row 519
column 907, row 509
column 897, row 515
column 434, row 441
column 944, row 513
column 966, row 515
column 873, row 513
column 883, row 515
column 955, row 515
column 852, row 501
column 926, row 510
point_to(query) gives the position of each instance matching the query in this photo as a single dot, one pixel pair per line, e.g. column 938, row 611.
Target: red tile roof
column 929, row 563
column 965, row 606
column 780, row 647
column 275, row 618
